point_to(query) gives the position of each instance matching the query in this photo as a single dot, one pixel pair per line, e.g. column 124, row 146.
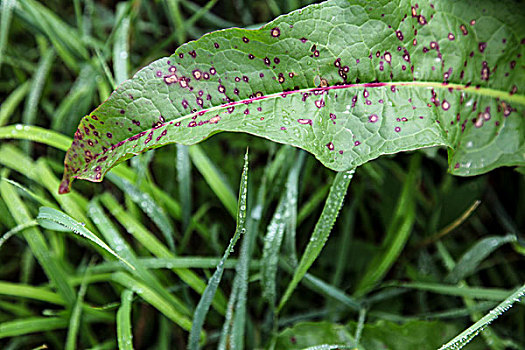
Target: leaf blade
column 303, row 87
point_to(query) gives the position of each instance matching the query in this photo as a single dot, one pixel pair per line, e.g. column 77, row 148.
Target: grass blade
column 209, row 292
column 153, row 245
column 10, row 104
column 31, row 325
column 15, row 230
column 37, row 243
column 37, row 134
column 76, row 313
column 117, row 242
column 124, row 335
column 397, row 235
column 153, row 298
column 321, row 231
column 466, row 336
column 41, row 200
column 331, row 291
column 176, row 19
column 37, row 85
column 460, row 291
column 475, row 255
column 121, row 47
column 272, row 246
column 30, row 292
column 215, row 179
column 63, row 37
column 53, row 215
column 149, row 207
column 235, row 322
column 184, row 180
column 7, row 10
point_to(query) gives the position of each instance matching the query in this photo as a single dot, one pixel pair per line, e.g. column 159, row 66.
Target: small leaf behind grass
column 307, row 334
column 46, row 215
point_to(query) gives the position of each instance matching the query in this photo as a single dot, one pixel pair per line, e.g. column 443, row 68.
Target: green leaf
column 307, row 334
column 346, row 81
column 411, row 335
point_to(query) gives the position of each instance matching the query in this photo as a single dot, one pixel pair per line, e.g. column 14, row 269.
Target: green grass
column 411, row 248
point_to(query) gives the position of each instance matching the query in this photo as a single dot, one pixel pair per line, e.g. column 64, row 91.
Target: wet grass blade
column 321, row 231
column 121, row 46
column 37, row 134
column 40, row 199
column 466, row 336
column 460, row 291
column 117, row 242
column 475, row 255
column 397, row 235
column 63, row 37
column 37, row 243
column 234, row 325
column 15, row 230
column 148, row 206
column 190, row 262
column 46, row 214
column 124, row 335
column 284, row 219
column 206, row 298
column 292, row 195
column 154, row 246
column 272, row 246
column 153, row 298
column 37, row 85
column 184, row 180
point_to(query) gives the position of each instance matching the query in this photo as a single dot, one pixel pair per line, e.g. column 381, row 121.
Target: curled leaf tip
column 65, row 184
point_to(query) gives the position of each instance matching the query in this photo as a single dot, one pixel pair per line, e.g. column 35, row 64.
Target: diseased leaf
column 347, row 81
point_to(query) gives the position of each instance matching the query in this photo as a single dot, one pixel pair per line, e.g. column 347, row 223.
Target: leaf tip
column 65, row 185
